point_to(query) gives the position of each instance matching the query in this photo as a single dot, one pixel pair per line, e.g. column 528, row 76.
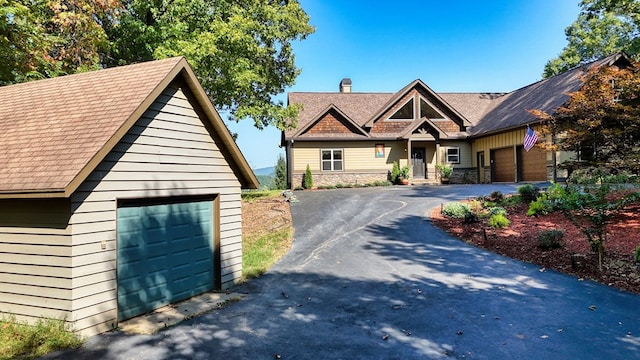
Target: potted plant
column 444, row 172
column 399, row 175
column 403, row 178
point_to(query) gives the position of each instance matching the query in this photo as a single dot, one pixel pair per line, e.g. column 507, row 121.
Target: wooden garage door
column 165, row 254
column 533, row 165
column 504, row 169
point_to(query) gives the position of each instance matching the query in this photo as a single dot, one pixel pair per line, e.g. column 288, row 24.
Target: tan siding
column 168, row 153
column 465, row 153
column 357, row 156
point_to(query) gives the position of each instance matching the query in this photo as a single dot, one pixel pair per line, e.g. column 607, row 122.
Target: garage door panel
column 534, row 165
column 165, row 254
column 503, row 165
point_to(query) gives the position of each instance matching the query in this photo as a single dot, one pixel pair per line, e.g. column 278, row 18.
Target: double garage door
column 165, row 254
column 531, row 165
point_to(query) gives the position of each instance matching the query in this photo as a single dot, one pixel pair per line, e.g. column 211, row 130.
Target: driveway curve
column 369, row 277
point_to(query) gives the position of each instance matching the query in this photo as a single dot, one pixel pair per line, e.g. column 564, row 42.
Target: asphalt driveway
column 369, row 277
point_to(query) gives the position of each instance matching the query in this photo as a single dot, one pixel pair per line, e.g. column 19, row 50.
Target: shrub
column 456, row 210
column 497, row 210
column 496, row 196
column 541, row 206
column 394, row 177
column 550, row 239
column 528, row 192
column 498, row 221
column 637, row 254
column 512, row 200
column 307, row 179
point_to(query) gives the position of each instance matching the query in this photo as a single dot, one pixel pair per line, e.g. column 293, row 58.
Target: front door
column 481, row 178
column 417, row 158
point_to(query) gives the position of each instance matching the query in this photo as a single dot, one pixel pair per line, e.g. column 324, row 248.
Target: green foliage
column 394, row 175
column 602, row 28
column 528, row 192
column 280, row 179
column 260, row 252
column 599, row 175
column 41, row 39
column 541, row 206
column 253, row 195
column 21, row 341
column 404, row 172
column 241, row 50
column 498, row 221
column 496, row 196
column 497, row 210
column 307, row 179
column 637, row 254
column 590, row 208
column 266, row 181
column 511, row 200
column 550, row 239
column 456, row 210
column 444, row 171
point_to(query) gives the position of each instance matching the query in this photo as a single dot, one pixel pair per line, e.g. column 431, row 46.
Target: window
column 453, row 155
column 331, row 160
column 428, row 111
column 405, row 112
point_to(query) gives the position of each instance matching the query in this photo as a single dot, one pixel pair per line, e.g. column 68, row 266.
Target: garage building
column 119, row 193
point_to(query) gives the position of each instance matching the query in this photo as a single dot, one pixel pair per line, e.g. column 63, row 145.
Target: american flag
column 530, row 139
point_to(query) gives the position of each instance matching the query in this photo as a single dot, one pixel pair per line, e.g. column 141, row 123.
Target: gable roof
column 404, row 91
column 56, row 131
column 347, row 122
column 359, row 107
column 512, row 109
column 486, row 113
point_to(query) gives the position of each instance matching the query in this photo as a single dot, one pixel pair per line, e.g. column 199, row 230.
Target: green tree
column 40, row 39
column 600, row 122
column 307, row 179
column 240, row 50
column 280, row 179
column 603, row 27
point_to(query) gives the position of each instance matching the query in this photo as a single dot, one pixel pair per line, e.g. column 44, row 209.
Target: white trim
column 332, row 161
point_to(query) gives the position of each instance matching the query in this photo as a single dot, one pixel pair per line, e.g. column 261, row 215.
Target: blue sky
column 453, row 46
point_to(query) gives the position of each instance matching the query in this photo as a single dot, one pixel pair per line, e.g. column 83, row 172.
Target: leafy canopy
column 600, row 122
column 240, row 50
column 603, row 27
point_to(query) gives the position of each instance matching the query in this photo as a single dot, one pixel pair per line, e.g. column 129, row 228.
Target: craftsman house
column 119, row 193
column 351, row 137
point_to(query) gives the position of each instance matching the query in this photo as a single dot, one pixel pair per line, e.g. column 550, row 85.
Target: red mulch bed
column 520, row 241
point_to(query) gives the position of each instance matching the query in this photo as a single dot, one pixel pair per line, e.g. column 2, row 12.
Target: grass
column 21, row 341
column 260, row 252
column 253, row 195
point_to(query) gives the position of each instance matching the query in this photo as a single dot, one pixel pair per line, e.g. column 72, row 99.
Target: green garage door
column 165, row 254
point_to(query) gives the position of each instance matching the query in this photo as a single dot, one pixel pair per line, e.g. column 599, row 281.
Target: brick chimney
column 345, row 85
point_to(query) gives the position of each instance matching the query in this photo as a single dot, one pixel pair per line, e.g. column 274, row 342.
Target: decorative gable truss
column 416, row 108
column 331, row 122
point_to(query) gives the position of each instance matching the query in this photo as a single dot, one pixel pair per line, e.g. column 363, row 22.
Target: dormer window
column 405, row 112
column 428, row 111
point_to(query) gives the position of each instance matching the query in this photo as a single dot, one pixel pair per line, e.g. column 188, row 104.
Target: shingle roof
column 359, row 107
column 512, row 109
column 487, row 112
column 53, row 129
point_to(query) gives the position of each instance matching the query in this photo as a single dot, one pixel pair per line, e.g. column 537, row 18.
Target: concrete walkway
column 369, row 277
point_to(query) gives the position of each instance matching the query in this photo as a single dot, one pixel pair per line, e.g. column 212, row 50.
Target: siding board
column 168, row 152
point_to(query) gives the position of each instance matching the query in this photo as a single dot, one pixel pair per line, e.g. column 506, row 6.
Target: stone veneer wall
column 464, row 176
column 334, row 178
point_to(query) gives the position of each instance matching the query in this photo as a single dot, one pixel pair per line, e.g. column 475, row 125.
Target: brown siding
column 35, row 260
column 504, row 169
column 330, row 124
column 167, row 153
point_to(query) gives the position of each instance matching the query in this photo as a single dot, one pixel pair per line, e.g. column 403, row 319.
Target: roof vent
column 345, row 85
